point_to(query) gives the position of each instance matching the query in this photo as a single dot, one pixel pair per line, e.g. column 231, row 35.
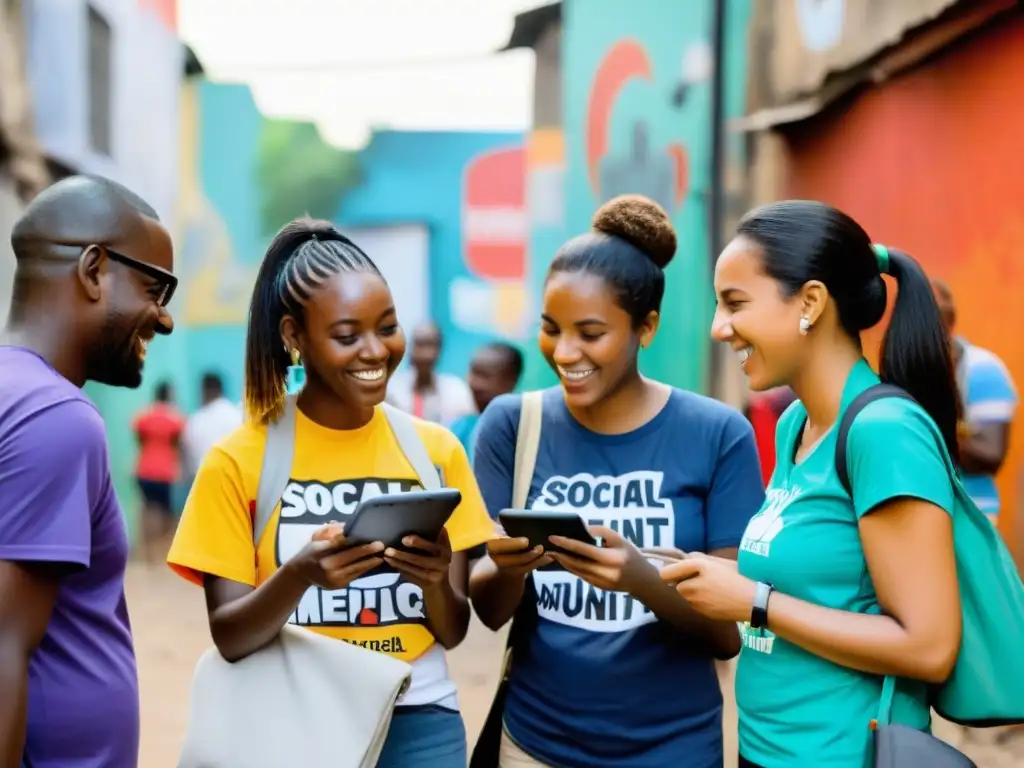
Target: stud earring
column 805, row 326
column 296, row 377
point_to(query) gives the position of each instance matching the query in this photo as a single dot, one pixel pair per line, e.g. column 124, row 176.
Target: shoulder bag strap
column 860, row 402
column 276, row 468
column 403, row 427
column 527, row 446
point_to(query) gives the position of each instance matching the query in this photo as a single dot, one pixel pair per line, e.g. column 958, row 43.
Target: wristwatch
column 759, row 611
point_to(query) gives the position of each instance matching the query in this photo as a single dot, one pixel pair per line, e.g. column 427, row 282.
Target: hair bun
column 641, row 222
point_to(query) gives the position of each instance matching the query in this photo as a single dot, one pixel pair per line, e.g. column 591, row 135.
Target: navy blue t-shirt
column 604, row 682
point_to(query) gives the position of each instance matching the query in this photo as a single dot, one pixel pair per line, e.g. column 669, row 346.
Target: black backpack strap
column 860, row 402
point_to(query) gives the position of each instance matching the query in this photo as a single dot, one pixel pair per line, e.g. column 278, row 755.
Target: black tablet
column 536, row 525
column 392, row 517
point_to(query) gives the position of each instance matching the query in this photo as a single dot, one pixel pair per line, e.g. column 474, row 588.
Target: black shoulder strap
column 861, row 401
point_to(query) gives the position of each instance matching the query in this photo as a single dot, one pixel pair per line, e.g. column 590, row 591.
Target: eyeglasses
column 168, row 280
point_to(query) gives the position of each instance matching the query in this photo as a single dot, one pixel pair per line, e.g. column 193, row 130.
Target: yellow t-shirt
column 332, row 471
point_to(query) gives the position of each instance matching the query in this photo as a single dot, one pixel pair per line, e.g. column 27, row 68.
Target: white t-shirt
column 450, row 399
column 206, row 427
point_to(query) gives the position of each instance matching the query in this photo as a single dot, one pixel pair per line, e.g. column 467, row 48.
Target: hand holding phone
column 328, row 561
column 515, row 556
column 424, row 563
column 617, row 565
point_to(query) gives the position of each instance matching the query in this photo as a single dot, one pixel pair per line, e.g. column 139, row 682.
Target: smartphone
column 536, row 525
column 392, row 517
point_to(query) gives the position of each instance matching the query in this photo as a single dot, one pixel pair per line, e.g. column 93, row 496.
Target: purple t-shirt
column 59, row 506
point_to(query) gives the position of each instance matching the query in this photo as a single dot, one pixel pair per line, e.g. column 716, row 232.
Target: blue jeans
column 425, row 737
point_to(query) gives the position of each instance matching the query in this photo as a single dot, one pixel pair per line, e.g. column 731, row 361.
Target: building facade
column 905, row 115
column 105, row 78
column 23, row 171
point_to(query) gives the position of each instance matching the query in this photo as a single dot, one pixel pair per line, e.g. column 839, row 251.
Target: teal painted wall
column 623, row 65
column 420, row 177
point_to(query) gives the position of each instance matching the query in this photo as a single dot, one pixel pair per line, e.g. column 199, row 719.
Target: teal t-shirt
column 798, row 710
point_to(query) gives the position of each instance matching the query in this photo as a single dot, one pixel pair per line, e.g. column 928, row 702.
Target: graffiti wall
column 637, row 120
column 931, row 163
column 466, row 189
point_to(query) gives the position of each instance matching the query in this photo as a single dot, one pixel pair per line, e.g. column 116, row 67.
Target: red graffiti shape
column 624, row 61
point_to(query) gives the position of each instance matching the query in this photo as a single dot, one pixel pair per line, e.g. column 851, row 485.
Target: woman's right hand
column 514, row 557
column 324, row 561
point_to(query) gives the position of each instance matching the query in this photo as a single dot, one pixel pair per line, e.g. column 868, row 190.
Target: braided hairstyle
column 301, row 257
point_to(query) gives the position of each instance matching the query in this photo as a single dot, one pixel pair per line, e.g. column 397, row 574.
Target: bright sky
column 353, row 65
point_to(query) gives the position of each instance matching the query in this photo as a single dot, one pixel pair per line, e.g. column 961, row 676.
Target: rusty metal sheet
column 811, row 39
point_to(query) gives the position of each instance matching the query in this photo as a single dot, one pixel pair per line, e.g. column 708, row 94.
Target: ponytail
column 916, row 351
column 301, row 257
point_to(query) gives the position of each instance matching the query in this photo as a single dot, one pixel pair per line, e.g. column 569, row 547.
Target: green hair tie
column 882, row 256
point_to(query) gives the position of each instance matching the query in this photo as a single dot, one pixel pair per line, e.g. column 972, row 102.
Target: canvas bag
column 900, row 746
column 488, row 744
column 984, row 689
column 304, row 699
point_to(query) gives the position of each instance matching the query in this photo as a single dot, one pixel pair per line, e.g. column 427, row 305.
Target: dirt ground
column 169, row 621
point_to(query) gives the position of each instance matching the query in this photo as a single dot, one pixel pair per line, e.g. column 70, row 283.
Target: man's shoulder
column 34, row 396
column 52, row 427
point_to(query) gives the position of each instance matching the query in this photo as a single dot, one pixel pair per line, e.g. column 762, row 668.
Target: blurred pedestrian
column 158, row 429
column 423, row 391
column 989, row 400
column 215, row 419
column 764, row 409
column 91, row 288
column 610, row 667
column 495, row 370
column 835, row 591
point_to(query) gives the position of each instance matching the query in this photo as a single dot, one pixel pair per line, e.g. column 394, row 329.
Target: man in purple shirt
column 91, row 287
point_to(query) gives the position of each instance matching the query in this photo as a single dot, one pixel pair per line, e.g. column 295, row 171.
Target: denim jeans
column 425, row 737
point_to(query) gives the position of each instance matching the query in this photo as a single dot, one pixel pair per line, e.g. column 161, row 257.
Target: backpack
column 986, row 687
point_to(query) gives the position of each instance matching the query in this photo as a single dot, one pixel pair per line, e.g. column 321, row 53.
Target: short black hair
column 162, row 392
column 631, row 243
column 512, row 356
column 212, row 382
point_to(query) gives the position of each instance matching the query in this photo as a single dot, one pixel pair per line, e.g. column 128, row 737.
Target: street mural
column 637, row 120
column 634, row 169
column 216, row 284
column 492, row 297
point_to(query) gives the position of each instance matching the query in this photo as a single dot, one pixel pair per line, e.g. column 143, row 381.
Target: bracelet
column 759, row 611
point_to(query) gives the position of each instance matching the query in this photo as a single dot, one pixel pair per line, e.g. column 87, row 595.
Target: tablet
column 392, row 517
column 536, row 525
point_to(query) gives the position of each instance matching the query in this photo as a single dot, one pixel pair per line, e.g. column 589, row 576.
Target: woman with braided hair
column 321, row 300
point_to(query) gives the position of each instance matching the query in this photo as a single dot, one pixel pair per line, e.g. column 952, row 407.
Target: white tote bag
column 305, row 699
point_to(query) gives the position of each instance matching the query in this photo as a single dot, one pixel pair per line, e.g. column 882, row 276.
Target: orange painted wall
column 933, row 162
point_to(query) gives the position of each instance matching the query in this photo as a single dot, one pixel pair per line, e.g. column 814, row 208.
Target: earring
column 805, row 326
column 296, row 377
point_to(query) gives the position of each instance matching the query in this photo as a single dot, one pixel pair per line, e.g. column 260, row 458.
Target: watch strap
column 759, row 610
